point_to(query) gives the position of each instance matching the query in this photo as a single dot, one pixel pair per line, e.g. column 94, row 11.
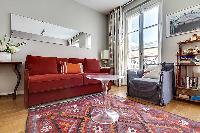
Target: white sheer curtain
column 117, row 34
column 116, row 43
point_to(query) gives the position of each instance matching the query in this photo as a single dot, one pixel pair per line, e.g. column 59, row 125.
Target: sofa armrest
column 105, row 70
column 26, row 84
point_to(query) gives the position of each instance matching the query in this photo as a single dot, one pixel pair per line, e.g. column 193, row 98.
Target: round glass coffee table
column 104, row 115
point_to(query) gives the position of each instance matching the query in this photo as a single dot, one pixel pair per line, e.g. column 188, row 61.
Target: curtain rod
column 127, row 3
column 146, row 1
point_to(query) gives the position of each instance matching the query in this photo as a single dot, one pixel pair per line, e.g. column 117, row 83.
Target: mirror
column 32, row 29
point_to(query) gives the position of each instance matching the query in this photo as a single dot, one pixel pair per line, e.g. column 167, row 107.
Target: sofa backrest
column 51, row 65
column 38, row 65
column 91, row 66
column 76, row 60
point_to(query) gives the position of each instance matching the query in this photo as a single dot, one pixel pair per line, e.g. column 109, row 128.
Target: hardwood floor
column 13, row 114
column 183, row 108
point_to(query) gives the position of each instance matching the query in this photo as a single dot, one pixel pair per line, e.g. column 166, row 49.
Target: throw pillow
column 63, row 67
column 153, row 71
column 70, row 68
column 152, row 75
column 73, row 68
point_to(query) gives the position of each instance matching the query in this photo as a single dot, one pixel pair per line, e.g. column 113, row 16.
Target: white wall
column 169, row 46
column 66, row 13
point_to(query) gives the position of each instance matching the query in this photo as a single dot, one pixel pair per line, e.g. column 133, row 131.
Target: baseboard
column 20, row 92
column 4, row 94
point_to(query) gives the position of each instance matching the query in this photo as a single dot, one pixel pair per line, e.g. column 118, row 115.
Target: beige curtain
column 116, row 43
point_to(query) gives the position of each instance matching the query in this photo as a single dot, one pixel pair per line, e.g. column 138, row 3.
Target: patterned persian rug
column 74, row 117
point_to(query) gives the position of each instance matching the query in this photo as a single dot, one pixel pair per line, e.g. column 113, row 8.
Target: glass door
column 150, row 36
column 133, row 43
column 142, row 31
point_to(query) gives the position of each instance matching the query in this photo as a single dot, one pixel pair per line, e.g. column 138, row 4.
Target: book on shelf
column 185, row 62
column 192, row 82
column 184, row 96
column 195, row 98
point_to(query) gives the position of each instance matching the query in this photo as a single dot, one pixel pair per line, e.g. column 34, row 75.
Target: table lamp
column 105, row 57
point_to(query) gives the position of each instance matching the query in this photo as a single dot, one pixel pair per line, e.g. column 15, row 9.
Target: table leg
column 17, row 72
column 104, row 115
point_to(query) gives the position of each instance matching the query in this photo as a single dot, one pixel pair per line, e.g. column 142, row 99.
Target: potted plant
column 8, row 47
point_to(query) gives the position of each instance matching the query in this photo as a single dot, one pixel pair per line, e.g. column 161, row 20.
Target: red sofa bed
column 44, row 81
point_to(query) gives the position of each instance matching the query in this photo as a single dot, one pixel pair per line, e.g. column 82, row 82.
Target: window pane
column 133, row 41
column 133, row 23
column 151, row 37
column 133, row 63
column 133, row 54
column 151, row 60
column 151, row 52
column 151, row 17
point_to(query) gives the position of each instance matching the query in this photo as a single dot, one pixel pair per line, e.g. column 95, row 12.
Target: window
column 142, row 31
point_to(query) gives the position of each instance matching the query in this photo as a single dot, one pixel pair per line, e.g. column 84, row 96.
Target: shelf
column 188, row 42
column 194, row 89
column 187, row 91
column 188, row 54
column 186, row 64
column 187, row 99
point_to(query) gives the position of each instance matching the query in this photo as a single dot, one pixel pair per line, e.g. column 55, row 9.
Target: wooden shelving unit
column 187, row 83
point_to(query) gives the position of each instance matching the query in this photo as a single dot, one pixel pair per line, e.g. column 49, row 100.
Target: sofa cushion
column 92, row 66
column 87, row 81
column 41, row 65
column 48, row 82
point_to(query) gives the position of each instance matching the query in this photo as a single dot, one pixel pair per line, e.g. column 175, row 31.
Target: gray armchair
column 159, row 91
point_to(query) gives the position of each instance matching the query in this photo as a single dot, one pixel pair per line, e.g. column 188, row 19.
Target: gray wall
column 65, row 13
column 169, row 45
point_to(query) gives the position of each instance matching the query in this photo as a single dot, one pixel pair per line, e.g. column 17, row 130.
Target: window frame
column 141, row 35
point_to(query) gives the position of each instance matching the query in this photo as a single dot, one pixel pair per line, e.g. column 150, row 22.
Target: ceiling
column 103, row 6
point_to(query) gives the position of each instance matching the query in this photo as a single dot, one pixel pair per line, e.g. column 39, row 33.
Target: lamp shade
column 105, row 54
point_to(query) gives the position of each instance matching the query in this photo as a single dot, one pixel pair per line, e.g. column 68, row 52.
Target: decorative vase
column 5, row 57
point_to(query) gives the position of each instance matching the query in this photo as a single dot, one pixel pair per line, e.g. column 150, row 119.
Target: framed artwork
column 183, row 22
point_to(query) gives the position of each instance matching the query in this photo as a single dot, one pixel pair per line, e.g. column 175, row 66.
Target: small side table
column 17, row 72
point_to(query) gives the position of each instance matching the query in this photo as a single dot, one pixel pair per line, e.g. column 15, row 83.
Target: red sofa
column 43, row 81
